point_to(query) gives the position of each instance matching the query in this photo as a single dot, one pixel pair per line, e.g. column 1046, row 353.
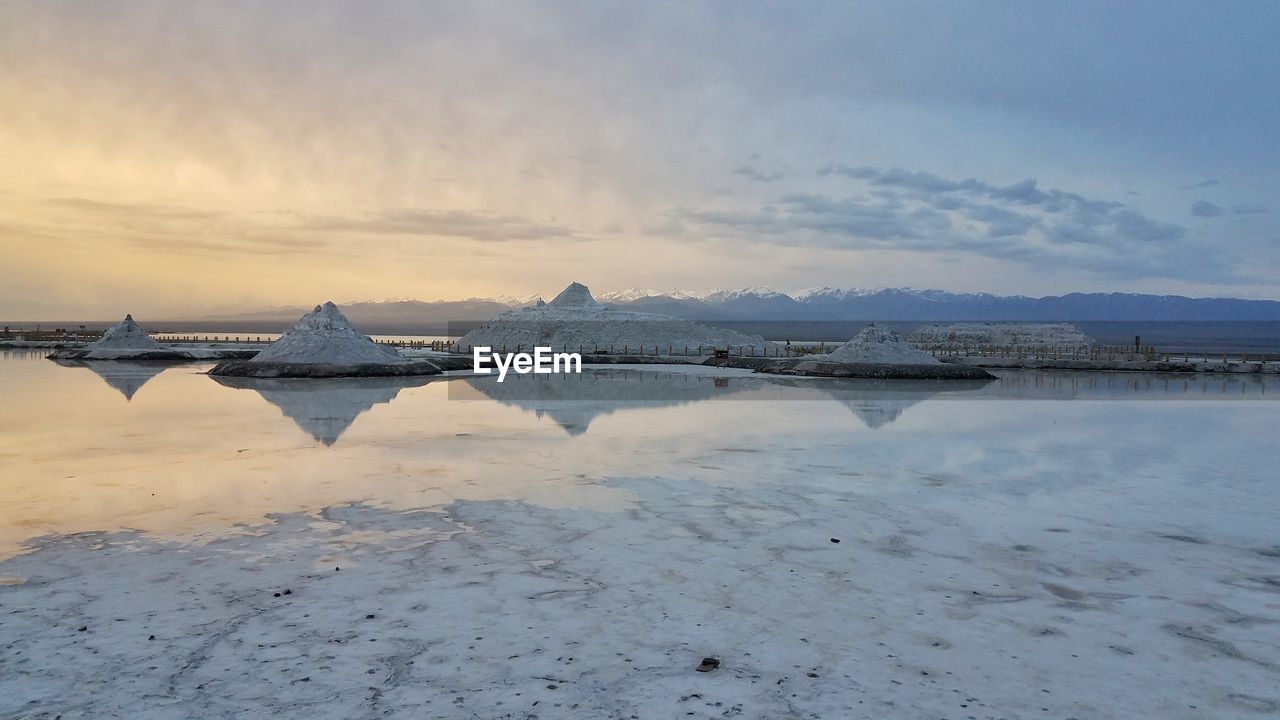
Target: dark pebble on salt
column 151, row 637
column 835, row 540
column 288, row 592
column 275, row 594
column 370, row 616
column 708, row 664
column 83, row 628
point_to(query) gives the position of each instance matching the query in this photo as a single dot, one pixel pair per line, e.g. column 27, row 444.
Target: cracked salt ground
column 990, row 564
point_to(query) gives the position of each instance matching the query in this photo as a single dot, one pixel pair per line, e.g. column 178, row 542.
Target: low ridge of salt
column 126, row 335
column 1062, row 335
column 880, row 346
column 325, row 336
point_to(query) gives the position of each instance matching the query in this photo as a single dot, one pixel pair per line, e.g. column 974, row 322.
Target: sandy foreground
column 1028, row 580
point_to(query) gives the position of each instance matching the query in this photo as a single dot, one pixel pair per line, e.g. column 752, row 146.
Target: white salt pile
column 576, row 295
column 126, row 336
column 325, row 336
column 878, row 345
column 127, row 341
column 323, row 344
column 575, row 320
column 1059, row 335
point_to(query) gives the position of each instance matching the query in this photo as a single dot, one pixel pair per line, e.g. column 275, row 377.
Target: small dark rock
column 151, row 637
column 83, row 628
column 708, row 664
column 835, row 540
column 370, row 616
column 288, row 592
column 275, row 594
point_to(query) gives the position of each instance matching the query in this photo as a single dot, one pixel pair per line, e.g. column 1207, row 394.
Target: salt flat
column 1045, row 546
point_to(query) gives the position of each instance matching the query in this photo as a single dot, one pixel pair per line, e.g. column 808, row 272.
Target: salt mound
column 575, row 295
column 325, row 336
column 126, row 336
column 574, row 320
column 878, row 345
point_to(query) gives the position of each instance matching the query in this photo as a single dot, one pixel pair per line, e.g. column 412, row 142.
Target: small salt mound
column 880, row 346
column 126, row 336
column 575, row 295
column 325, row 336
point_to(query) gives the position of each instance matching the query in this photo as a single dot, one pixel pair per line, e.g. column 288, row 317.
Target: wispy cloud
column 757, row 174
column 1202, row 184
column 923, row 212
column 486, row 227
column 1202, row 208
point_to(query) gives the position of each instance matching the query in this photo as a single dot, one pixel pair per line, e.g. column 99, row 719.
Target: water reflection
column 125, row 376
column 878, row 403
column 324, row 409
column 1072, row 385
column 190, row 457
column 573, row 402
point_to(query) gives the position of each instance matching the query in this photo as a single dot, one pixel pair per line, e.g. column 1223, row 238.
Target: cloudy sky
column 178, row 158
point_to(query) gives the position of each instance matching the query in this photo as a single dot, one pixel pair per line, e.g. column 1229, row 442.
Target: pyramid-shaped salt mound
column 126, row 336
column 879, row 345
column 323, row 344
column 576, row 295
column 325, row 336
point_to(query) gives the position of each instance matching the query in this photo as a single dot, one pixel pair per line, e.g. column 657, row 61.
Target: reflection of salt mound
column 878, row 345
column 126, row 377
column 574, row 320
column 1024, row 335
column 878, row 403
column 323, row 343
column 126, row 336
column 878, row 413
column 324, row 336
column 574, row 401
column 324, row 409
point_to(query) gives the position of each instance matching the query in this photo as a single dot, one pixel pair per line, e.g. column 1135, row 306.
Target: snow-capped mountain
column 769, row 305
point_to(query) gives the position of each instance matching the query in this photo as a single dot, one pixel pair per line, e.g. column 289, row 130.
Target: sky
column 179, row 159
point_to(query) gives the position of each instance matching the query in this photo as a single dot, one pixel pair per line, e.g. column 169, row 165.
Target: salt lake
column 1046, row 545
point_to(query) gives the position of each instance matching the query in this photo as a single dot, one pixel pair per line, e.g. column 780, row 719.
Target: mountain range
column 766, row 305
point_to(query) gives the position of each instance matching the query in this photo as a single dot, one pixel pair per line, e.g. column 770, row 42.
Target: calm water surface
column 174, row 453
